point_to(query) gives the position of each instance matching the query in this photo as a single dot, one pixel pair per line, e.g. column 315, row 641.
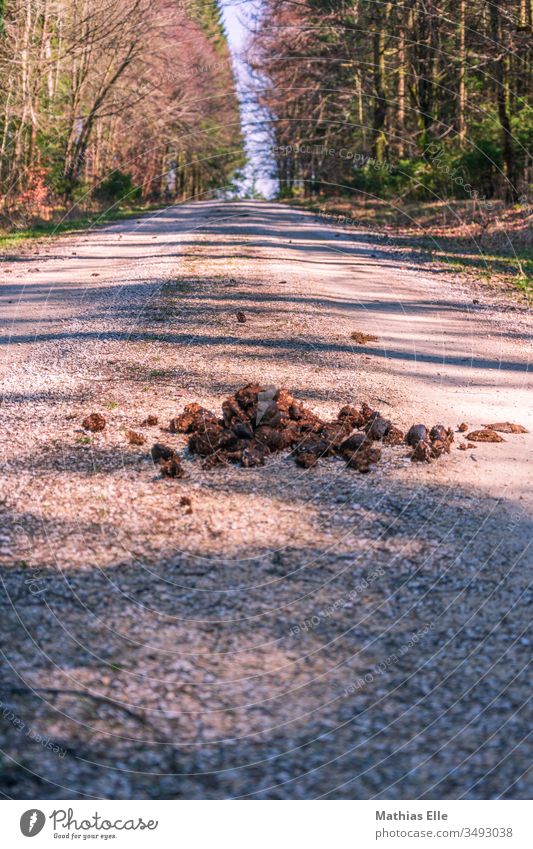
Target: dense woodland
column 103, row 100
column 109, row 99
column 416, row 98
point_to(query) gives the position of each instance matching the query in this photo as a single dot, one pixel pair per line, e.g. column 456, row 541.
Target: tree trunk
column 500, row 78
column 380, row 104
column 462, row 73
column 401, row 92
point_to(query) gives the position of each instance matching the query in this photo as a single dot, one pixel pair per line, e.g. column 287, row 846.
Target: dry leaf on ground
column 485, row 436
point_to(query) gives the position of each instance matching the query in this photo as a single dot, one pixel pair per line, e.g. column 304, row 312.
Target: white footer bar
column 268, row 824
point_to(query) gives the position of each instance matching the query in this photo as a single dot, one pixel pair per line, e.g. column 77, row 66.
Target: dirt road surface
column 299, row 634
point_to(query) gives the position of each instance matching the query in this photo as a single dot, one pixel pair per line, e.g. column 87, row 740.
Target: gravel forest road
column 299, row 634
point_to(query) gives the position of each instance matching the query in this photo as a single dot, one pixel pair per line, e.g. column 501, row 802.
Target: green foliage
column 207, row 14
column 384, row 80
column 522, row 131
column 445, row 171
column 480, row 166
column 118, row 187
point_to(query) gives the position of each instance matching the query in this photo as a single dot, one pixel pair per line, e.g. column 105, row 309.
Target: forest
column 415, row 98
column 103, row 100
